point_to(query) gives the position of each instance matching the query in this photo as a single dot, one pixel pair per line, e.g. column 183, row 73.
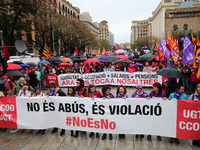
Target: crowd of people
column 167, row 91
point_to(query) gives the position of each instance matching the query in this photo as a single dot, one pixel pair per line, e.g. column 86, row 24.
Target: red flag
column 6, row 54
column 76, row 52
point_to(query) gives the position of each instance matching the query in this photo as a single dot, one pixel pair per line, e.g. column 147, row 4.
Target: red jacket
column 96, row 94
column 131, row 69
column 193, row 76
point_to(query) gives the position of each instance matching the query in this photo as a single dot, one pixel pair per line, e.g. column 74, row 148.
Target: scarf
column 198, row 96
column 121, row 96
column 176, row 95
column 52, row 92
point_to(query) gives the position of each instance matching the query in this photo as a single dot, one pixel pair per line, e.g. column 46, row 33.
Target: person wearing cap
column 153, row 67
column 131, row 69
column 8, row 82
column 80, row 89
column 147, row 68
column 53, row 91
column 139, row 93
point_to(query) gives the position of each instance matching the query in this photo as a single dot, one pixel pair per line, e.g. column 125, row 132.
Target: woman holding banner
column 196, row 97
column 139, row 93
column 122, row 93
column 156, row 93
column 92, row 93
column 53, row 91
column 179, row 95
column 106, row 95
column 80, row 89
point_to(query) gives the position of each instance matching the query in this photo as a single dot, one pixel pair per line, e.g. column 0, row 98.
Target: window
column 185, row 27
column 63, row 7
column 175, row 27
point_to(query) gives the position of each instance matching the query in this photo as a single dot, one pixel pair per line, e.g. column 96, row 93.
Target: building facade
column 93, row 26
column 65, row 8
column 104, row 30
column 184, row 19
column 140, row 29
column 111, row 39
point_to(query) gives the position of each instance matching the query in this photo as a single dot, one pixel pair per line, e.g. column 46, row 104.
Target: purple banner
column 187, row 51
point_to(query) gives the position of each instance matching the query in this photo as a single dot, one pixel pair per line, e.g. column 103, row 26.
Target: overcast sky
column 118, row 13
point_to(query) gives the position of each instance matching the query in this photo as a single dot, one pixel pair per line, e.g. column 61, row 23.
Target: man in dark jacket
column 186, row 71
column 124, row 67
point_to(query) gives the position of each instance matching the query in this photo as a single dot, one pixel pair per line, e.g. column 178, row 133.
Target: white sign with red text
column 112, row 78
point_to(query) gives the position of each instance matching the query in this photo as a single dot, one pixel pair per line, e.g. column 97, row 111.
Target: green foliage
column 16, row 19
column 146, row 41
column 181, row 34
column 105, row 44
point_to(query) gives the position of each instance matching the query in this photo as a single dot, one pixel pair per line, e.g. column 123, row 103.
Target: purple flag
column 165, row 51
column 187, row 51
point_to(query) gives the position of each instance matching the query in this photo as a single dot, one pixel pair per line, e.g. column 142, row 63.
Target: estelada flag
column 160, row 53
column 194, row 50
column 6, row 54
column 47, row 52
column 94, row 52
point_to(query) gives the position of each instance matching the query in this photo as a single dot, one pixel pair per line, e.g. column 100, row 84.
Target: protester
column 8, row 82
column 8, row 92
column 106, row 93
column 122, row 92
column 179, row 95
column 71, row 93
column 186, row 71
column 139, row 93
column 42, row 77
column 193, row 81
column 111, row 67
column 81, row 69
column 117, row 68
column 33, row 78
column 131, row 69
column 2, row 88
column 147, row 68
column 92, row 93
column 196, row 97
column 153, row 67
column 171, row 86
column 124, row 67
column 156, row 93
column 25, row 91
column 53, row 91
column 80, row 89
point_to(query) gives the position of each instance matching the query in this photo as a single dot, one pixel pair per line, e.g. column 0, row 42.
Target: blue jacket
column 183, row 96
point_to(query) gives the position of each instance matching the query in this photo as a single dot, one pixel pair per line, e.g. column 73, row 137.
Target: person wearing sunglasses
column 139, row 93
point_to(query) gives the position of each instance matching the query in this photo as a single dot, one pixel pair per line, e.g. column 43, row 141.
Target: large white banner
column 111, row 78
column 173, row 118
column 130, row 116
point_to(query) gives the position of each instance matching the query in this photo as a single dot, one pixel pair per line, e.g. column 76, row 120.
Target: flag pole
column 1, row 36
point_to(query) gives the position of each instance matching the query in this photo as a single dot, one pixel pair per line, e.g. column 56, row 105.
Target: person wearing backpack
column 196, row 97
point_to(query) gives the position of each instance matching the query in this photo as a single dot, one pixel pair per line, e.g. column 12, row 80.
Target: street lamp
column 1, row 37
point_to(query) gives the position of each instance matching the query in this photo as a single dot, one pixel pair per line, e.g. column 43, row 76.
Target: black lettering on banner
column 33, row 107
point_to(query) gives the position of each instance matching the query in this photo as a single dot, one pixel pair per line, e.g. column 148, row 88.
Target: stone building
column 182, row 19
column 140, row 29
column 93, row 26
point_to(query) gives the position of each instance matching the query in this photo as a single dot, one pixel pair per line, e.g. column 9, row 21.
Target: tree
column 105, row 44
column 181, row 34
column 141, row 42
column 17, row 19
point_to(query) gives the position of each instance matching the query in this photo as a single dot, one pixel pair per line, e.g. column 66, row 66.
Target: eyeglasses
column 139, row 88
column 77, row 82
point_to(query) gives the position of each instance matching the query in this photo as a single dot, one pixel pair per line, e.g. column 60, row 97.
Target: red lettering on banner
column 188, row 120
column 87, row 82
column 8, row 112
column 68, row 82
column 112, row 81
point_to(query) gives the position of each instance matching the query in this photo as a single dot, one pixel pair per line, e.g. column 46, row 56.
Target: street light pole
column 1, row 37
